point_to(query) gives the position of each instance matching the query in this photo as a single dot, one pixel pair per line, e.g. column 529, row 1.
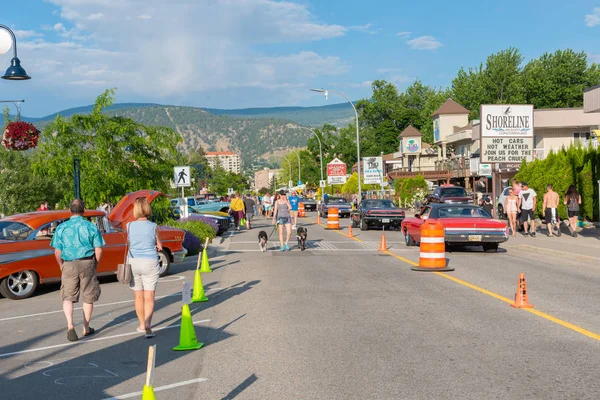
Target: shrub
column 191, row 243
column 199, row 229
column 203, row 218
column 160, row 210
column 413, row 190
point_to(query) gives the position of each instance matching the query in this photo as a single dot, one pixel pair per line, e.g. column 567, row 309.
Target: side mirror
column 417, row 215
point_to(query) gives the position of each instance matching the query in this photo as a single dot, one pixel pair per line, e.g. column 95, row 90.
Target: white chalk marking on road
column 178, row 278
column 61, row 381
column 158, row 389
column 95, row 306
column 84, row 341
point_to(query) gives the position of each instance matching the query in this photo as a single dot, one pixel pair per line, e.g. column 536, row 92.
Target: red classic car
column 27, row 260
column 464, row 224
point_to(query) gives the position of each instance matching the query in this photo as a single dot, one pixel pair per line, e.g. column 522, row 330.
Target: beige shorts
column 144, row 273
column 80, row 277
column 293, row 213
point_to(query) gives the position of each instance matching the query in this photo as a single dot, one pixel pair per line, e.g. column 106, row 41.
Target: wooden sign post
column 151, row 362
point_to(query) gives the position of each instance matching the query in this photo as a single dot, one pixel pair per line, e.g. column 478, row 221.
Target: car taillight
column 402, row 213
column 368, row 212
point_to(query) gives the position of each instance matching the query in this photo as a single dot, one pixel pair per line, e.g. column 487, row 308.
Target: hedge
column 199, row 229
column 577, row 166
column 413, row 189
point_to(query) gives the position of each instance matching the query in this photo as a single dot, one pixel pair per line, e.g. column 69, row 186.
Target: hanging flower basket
column 20, row 135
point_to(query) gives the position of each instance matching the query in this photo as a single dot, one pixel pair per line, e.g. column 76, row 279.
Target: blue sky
column 261, row 53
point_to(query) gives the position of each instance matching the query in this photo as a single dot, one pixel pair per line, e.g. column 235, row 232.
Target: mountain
column 260, row 135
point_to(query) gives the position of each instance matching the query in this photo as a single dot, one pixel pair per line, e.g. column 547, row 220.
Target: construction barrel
column 333, row 218
column 432, row 255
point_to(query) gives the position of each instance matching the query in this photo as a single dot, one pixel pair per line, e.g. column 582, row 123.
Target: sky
column 268, row 53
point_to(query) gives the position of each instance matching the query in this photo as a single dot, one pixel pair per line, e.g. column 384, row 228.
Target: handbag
column 124, row 273
column 243, row 222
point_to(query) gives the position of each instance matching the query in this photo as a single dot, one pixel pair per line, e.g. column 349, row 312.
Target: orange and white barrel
column 333, row 218
column 432, row 255
column 301, row 210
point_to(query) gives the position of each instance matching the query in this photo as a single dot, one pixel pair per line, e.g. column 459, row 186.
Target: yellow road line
column 541, row 314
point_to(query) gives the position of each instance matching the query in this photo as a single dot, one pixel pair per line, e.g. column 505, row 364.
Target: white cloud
column 593, row 19
column 366, row 28
column 403, row 34
column 387, row 70
column 424, row 43
column 21, row 34
column 190, row 48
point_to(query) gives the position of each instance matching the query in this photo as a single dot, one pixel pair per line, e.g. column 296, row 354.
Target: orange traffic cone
column 521, row 300
column 382, row 244
column 350, row 230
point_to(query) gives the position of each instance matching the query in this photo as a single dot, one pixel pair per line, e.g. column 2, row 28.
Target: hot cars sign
column 506, row 133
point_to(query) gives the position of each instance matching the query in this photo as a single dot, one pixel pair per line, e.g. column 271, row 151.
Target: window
column 580, row 137
column 10, row 230
column 462, row 212
column 46, row 232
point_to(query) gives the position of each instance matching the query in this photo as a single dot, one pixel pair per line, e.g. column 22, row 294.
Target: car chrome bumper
column 463, row 238
column 178, row 256
column 379, row 220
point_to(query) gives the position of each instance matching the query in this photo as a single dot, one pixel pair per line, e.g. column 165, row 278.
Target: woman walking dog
column 281, row 213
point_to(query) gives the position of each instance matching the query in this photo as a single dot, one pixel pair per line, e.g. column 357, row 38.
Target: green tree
column 502, row 81
column 557, row 80
column 467, row 89
column 117, row 154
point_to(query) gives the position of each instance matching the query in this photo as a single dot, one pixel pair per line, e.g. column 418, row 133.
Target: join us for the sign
column 506, row 133
column 506, row 150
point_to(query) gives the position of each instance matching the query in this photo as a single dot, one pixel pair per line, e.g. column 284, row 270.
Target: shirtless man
column 550, row 206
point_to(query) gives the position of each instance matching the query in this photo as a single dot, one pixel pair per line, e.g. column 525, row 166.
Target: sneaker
column 532, row 234
column 525, row 233
column 287, row 247
column 294, row 227
column 282, row 248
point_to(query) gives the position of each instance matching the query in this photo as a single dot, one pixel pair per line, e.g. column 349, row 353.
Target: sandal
column 149, row 333
column 90, row 332
column 72, row 335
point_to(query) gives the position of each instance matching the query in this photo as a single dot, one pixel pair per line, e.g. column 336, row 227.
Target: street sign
column 322, row 183
column 485, row 169
column 373, row 170
column 230, row 191
column 506, row 133
column 181, row 176
column 299, row 183
column 336, row 172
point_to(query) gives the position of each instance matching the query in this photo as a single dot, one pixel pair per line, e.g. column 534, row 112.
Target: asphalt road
column 337, row 321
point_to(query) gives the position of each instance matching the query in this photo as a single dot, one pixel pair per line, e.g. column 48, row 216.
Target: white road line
column 84, row 341
column 158, row 389
column 95, row 306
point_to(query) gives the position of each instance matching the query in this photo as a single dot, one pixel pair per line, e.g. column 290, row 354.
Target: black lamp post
column 15, row 72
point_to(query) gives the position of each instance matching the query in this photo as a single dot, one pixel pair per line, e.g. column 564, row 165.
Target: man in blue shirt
column 294, row 201
column 77, row 247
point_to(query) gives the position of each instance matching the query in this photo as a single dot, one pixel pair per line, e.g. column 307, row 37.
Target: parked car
column 464, row 224
column 344, row 208
column 449, row 194
column 27, row 260
column 309, row 204
column 502, row 201
column 223, row 219
column 381, row 213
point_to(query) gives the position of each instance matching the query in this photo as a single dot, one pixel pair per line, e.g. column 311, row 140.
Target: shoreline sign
column 336, row 172
column 506, row 133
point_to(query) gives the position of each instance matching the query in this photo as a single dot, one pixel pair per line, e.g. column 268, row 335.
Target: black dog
column 301, row 235
column 262, row 240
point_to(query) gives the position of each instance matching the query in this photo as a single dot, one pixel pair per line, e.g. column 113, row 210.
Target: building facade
column 264, row 177
column 228, row 160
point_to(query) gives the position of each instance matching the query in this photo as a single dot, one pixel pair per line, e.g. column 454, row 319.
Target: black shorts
column 572, row 214
column 527, row 215
column 551, row 215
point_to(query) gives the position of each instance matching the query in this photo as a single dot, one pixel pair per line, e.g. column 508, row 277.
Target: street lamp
column 17, row 104
column 320, row 147
column 299, row 179
column 15, row 72
column 357, row 133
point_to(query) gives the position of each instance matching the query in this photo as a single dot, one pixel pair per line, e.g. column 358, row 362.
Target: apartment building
column 228, row 160
column 264, row 177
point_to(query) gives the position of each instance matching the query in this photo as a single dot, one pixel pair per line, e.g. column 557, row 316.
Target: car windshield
column 462, row 212
column 378, row 204
column 454, row 192
column 337, row 200
column 10, row 230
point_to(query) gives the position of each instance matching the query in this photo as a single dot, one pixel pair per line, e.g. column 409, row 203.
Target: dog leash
column 274, row 228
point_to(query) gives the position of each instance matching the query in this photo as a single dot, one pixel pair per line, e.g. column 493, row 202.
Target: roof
column 411, row 131
column 36, row 219
column 220, row 153
column 591, row 88
column 467, row 127
column 450, row 107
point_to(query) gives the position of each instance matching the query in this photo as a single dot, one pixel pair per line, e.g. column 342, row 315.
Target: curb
column 559, row 253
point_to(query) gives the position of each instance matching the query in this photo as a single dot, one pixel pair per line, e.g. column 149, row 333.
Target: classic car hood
column 122, row 213
column 339, row 205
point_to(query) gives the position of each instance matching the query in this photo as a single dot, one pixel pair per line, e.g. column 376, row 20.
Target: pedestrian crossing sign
column 181, row 177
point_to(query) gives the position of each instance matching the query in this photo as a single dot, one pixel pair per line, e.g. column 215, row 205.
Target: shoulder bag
column 124, row 273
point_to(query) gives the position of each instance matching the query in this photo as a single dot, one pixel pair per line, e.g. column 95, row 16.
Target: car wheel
column 19, row 285
column 164, row 263
column 490, row 247
column 363, row 225
column 408, row 240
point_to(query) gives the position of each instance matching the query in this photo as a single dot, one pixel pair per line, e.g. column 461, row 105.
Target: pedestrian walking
column 550, row 207
column 511, row 210
column 487, row 206
column 144, row 245
column 267, row 204
column 249, row 210
column 281, row 213
column 294, row 201
column 236, row 209
column 572, row 201
column 527, row 203
column 77, row 247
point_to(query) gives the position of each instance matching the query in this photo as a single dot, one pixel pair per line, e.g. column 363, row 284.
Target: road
column 337, row 321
